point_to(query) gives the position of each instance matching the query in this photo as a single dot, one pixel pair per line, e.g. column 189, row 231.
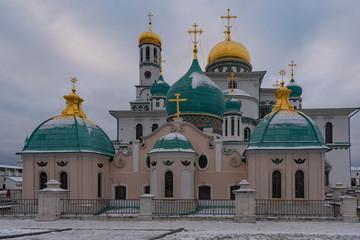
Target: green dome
column 287, row 130
column 69, row 134
column 296, row 90
column 232, row 104
column 173, row 142
column 203, row 96
column 159, row 87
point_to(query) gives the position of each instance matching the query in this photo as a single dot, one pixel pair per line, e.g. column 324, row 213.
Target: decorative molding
column 277, row 161
column 211, row 143
column 143, row 144
column 62, row 163
column 100, row 165
column 168, row 163
column 153, row 163
column 42, row 164
column 299, row 160
column 235, row 162
column 186, row 163
column 119, row 162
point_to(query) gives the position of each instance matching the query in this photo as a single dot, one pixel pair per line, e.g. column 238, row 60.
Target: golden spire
column 232, row 78
column 73, row 102
column 150, row 15
column 195, row 31
column 292, row 65
column 228, row 26
column 177, row 100
column 282, row 96
column 160, row 61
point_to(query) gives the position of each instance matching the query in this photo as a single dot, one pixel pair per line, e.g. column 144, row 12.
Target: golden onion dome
column 149, row 37
column 229, row 49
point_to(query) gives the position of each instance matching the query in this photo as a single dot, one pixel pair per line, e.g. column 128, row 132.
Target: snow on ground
column 117, row 228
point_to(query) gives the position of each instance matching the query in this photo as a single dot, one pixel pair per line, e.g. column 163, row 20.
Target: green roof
column 159, row 87
column 287, row 130
column 68, row 134
column 232, row 104
column 296, row 90
column 202, row 94
column 173, row 142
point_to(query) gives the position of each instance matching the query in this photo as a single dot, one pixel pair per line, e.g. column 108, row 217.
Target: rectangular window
column 232, row 126
column 157, row 104
column 238, row 130
column 226, row 127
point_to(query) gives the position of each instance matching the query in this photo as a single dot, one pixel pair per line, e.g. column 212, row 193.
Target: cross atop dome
column 73, row 102
column 232, row 78
column 228, row 26
column 150, row 15
column 195, row 31
column 292, row 65
column 160, row 61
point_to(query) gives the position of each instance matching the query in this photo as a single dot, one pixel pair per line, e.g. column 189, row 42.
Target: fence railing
column 100, row 206
column 10, row 206
column 185, row 207
column 295, row 207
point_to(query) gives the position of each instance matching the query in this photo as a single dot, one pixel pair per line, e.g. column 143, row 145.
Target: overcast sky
column 45, row 43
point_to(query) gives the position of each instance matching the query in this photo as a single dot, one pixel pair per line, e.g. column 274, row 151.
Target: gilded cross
column 195, row 31
column 292, row 65
column 228, row 26
column 150, row 15
column 232, row 78
column 282, row 73
column 160, row 61
column 276, row 84
column 177, row 100
column 73, row 80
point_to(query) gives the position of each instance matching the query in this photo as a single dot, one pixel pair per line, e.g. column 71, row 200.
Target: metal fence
column 10, row 206
column 100, row 206
column 267, row 207
column 186, row 207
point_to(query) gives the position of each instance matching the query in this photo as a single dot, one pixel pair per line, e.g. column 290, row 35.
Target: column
column 245, row 203
column 147, row 207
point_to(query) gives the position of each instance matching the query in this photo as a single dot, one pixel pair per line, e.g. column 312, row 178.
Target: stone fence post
column 16, row 193
column 49, row 201
column 339, row 190
column 244, row 203
column 348, row 209
column 147, row 207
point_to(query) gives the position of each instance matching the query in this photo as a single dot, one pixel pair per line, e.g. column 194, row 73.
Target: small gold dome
column 149, row 37
column 229, row 50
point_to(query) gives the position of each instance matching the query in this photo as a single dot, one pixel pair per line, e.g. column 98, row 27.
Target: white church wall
column 340, row 172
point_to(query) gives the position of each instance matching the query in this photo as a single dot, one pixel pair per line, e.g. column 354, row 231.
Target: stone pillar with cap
column 147, row 207
column 49, row 201
column 348, row 209
column 339, row 190
column 244, row 203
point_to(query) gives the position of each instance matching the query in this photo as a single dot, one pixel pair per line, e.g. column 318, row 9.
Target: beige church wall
column 82, row 173
column 261, row 167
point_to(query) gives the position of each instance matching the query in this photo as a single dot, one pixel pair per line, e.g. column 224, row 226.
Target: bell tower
column 149, row 56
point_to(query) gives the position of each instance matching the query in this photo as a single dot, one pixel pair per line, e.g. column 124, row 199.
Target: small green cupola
column 232, row 104
column 172, row 142
column 296, row 90
column 159, row 87
column 196, row 98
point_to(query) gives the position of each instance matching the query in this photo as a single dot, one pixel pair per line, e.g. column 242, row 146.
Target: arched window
column 154, row 127
column 141, row 55
column 64, row 180
column 226, row 127
column 328, row 133
column 42, row 180
column 232, row 84
column 99, row 181
column 147, row 189
column 247, row 134
column 238, row 125
column 120, row 192
column 169, row 184
column 232, row 126
column 299, row 184
column 147, row 52
column 139, row 131
column 232, row 188
column 155, row 55
column 204, row 193
column 276, row 184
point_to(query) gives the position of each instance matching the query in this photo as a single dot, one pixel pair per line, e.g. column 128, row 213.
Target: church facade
column 196, row 139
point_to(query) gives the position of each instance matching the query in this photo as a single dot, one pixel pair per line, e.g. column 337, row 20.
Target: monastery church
column 196, row 139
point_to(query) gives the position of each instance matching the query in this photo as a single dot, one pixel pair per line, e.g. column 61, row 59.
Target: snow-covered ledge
column 49, row 201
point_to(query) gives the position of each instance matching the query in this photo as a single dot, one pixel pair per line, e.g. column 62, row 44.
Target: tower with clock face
column 149, row 56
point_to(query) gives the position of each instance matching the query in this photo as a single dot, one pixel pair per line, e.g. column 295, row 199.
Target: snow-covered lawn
column 133, row 229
